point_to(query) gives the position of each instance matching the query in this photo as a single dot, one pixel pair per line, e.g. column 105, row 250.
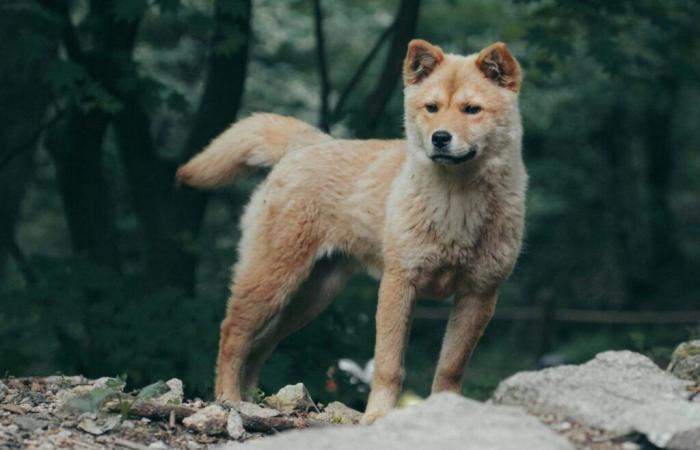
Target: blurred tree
column 100, row 85
column 101, row 100
column 24, row 99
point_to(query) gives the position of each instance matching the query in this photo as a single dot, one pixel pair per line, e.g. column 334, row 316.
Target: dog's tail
column 260, row 140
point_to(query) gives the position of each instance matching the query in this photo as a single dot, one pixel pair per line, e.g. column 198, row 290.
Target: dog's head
column 460, row 109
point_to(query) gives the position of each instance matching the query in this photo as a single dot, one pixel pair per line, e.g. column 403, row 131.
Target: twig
column 130, row 444
column 153, row 411
column 156, row 411
column 359, row 73
column 77, row 443
column 23, row 146
column 575, row 315
column 22, row 263
column 323, row 119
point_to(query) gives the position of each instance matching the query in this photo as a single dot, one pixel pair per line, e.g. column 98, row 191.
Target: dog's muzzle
column 450, row 159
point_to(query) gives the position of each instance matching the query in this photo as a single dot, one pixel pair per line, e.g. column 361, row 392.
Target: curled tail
column 260, row 140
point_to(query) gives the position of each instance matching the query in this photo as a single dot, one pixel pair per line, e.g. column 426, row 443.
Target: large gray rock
column 597, row 393
column 685, row 361
column 444, row 421
column 671, row 425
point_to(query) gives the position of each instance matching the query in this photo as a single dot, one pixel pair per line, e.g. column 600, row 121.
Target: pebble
column 234, row 425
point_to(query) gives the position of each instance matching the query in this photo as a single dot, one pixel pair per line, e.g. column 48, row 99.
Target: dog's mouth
column 452, row 160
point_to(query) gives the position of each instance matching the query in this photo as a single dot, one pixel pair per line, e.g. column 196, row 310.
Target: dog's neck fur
column 453, row 202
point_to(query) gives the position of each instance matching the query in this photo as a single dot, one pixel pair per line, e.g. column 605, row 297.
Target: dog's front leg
column 468, row 319
column 396, row 299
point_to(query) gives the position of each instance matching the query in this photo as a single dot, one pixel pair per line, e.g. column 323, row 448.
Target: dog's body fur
column 424, row 228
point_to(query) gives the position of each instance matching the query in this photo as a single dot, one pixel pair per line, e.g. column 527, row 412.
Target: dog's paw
column 369, row 417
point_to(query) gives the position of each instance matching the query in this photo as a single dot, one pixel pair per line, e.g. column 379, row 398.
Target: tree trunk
column 405, row 27
column 76, row 148
column 625, row 207
column 324, row 81
column 172, row 217
column 660, row 161
column 23, row 103
column 220, row 101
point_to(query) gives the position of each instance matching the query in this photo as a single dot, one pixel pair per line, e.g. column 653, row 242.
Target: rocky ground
column 618, row 400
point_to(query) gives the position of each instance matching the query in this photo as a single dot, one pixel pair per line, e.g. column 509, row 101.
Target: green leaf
column 176, row 102
column 117, row 383
column 92, row 401
column 63, row 75
column 124, row 409
column 153, row 390
column 168, row 6
column 130, row 10
column 233, row 8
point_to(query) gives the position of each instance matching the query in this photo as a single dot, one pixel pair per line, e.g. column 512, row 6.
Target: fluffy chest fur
column 452, row 233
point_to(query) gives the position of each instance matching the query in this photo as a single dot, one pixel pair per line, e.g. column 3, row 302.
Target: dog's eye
column 472, row 109
column 431, row 108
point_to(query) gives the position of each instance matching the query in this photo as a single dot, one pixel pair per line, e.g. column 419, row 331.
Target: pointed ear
column 421, row 59
column 498, row 64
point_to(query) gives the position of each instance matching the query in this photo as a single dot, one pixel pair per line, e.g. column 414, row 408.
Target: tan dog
column 436, row 215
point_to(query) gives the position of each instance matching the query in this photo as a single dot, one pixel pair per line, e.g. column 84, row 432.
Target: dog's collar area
column 447, row 159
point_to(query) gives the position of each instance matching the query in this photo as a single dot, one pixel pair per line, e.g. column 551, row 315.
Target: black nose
column 441, row 139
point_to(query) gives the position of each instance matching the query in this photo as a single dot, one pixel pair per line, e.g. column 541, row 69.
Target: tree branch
column 156, row 411
column 31, row 140
column 221, row 100
column 22, row 263
column 338, row 111
column 324, row 118
column 69, row 35
column 406, row 21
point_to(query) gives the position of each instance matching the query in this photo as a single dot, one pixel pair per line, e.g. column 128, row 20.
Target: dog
column 438, row 214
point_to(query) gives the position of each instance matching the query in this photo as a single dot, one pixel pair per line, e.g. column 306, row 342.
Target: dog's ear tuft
column 498, row 64
column 421, row 59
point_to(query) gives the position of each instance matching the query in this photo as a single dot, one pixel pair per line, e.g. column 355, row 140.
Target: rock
column 64, row 396
column 158, row 445
column 251, row 409
column 63, row 380
column 234, row 425
column 3, row 390
column 595, row 394
column 337, row 412
column 173, row 395
column 290, row 398
column 29, row 423
column 685, row 361
column 671, row 425
column 90, row 424
column 444, row 421
column 209, row 420
column 192, row 445
column 109, row 383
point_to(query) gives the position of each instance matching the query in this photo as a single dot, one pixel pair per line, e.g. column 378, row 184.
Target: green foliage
column 130, row 10
column 96, row 397
column 607, row 85
column 153, row 390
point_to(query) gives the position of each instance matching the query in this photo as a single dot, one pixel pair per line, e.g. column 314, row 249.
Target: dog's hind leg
column 272, row 266
column 327, row 278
